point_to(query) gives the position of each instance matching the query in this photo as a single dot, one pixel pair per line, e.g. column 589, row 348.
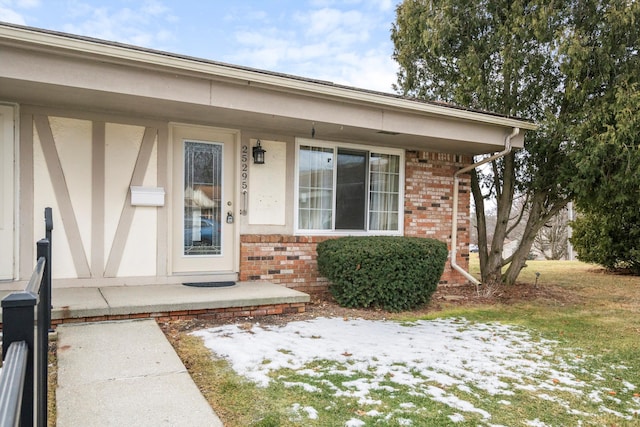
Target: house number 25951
column 244, row 175
column 244, row 167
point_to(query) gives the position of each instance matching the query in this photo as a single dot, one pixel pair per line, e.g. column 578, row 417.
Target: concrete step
column 173, row 301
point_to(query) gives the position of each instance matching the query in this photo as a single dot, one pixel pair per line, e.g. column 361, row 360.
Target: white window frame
column 335, row 146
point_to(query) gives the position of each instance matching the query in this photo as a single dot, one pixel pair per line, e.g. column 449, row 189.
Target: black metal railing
column 25, row 344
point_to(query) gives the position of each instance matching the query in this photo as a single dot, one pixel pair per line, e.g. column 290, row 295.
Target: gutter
column 454, row 221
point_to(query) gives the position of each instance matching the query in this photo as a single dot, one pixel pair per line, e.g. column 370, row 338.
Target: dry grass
column 591, row 282
column 236, row 401
column 600, row 309
column 52, row 381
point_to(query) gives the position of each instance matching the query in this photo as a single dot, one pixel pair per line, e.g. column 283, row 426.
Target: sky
column 345, row 42
column 444, row 360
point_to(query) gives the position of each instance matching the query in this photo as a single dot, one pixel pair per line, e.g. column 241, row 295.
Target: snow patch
column 456, row 418
column 451, row 361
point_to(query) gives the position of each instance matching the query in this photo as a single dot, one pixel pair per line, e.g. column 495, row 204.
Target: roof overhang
column 53, row 69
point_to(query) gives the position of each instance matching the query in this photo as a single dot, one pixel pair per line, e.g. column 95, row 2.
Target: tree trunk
column 505, row 200
column 539, row 215
column 481, row 223
column 491, row 261
column 519, row 257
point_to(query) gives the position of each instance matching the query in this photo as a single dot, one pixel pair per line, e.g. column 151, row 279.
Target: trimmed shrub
column 389, row 272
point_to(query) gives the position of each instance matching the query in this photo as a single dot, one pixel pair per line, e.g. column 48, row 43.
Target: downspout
column 454, row 222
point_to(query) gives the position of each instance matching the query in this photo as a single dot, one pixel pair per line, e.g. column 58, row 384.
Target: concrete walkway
column 125, row 374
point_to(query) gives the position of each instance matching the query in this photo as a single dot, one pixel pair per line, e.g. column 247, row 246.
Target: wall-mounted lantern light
column 258, row 154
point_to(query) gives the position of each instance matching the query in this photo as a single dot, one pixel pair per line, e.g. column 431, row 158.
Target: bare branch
column 496, row 179
column 520, row 215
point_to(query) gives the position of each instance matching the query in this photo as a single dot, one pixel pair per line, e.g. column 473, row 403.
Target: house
column 147, row 159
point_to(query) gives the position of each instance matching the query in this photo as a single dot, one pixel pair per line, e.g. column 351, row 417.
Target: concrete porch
column 165, row 302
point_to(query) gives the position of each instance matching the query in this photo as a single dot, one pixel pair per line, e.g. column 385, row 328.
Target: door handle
column 243, row 211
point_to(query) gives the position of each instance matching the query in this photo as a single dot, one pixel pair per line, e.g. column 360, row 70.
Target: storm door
column 204, row 223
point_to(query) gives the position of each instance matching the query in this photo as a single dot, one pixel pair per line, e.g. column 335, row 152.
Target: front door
column 7, row 195
column 204, row 233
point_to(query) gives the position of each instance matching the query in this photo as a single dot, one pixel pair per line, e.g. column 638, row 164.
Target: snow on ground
column 429, row 357
column 310, row 412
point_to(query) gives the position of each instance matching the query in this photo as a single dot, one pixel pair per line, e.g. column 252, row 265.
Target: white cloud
column 325, row 43
column 374, row 70
column 142, row 25
column 153, row 7
column 28, row 4
column 386, row 4
column 20, row 4
column 165, row 36
column 8, row 12
column 383, row 5
column 11, row 16
column 323, row 22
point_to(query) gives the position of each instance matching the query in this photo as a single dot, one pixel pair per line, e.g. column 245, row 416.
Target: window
column 350, row 189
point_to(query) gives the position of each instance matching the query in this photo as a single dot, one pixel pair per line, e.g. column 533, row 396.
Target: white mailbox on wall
column 147, row 196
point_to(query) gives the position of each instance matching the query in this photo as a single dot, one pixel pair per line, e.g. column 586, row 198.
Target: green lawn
column 592, row 335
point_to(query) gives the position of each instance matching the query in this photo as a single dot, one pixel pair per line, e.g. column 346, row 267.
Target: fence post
column 48, row 222
column 18, row 325
column 44, row 304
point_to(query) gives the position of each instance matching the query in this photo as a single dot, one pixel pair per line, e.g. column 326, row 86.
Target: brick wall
column 291, row 260
column 429, row 203
column 286, row 260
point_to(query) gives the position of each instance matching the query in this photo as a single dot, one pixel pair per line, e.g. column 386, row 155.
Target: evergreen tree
column 603, row 83
column 501, row 56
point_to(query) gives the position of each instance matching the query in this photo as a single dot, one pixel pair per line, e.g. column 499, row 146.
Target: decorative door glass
column 202, row 198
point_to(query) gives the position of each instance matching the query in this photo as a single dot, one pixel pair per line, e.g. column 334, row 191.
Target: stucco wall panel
column 268, row 186
column 73, row 143
column 44, row 196
column 140, row 251
column 151, row 174
column 122, row 144
column 139, row 256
